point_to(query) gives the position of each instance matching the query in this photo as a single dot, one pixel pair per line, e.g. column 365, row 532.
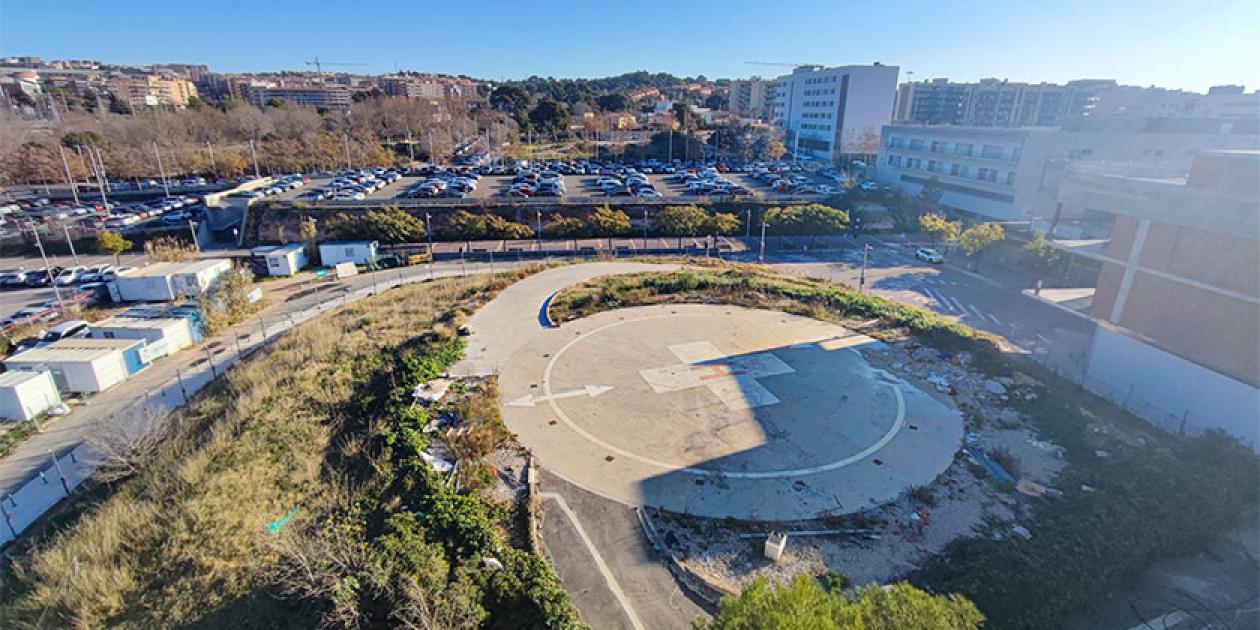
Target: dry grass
column 186, row 534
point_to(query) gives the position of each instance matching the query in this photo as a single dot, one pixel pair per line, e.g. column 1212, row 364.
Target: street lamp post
column 761, row 257
column 866, row 250
column 65, row 228
column 47, row 268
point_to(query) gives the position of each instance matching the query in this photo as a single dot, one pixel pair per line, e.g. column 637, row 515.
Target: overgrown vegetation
column 1132, row 494
column 226, row 301
column 389, row 224
column 318, row 427
column 803, row 604
column 169, row 249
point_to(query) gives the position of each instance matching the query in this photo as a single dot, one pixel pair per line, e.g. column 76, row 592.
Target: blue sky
column 1176, row 44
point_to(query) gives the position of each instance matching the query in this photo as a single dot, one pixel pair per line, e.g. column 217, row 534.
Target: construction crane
column 319, row 65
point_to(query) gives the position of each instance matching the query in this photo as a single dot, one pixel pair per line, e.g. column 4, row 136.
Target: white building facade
column 1014, row 174
column 830, row 113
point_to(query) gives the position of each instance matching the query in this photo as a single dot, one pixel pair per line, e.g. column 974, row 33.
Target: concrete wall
column 1170, row 391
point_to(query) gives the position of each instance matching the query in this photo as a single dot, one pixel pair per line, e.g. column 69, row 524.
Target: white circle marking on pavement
column 769, row 474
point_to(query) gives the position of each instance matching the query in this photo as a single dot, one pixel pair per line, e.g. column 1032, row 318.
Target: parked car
column 42, row 277
column 927, row 254
column 68, row 276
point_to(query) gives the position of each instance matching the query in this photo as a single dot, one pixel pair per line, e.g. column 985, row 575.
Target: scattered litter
column 775, row 543
column 432, row 391
column 941, row 383
column 1087, row 488
column 1022, row 532
column 1031, row 488
column 60, row 409
column 440, row 465
column 491, row 563
column 1102, row 453
column 995, row 388
column 274, row 526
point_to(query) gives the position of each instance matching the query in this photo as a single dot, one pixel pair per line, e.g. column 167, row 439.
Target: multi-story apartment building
column 833, row 113
column 751, row 97
column 323, row 97
column 1177, row 300
column 1000, row 103
column 153, row 91
column 1012, row 174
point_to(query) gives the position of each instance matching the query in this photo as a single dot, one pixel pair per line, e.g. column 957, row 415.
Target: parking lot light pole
column 192, row 228
column 166, row 187
column 761, row 257
column 65, row 228
column 866, row 250
column 47, row 268
column 74, row 187
column 538, row 231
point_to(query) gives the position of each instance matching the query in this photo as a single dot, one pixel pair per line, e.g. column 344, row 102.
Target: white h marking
column 733, row 379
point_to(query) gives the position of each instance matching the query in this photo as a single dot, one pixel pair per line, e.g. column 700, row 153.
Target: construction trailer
column 166, row 282
column 189, row 312
column 357, row 252
column 84, row 366
column 25, row 395
column 162, row 335
column 279, row 260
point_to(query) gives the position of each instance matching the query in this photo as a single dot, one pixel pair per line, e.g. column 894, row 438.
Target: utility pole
column 166, row 187
column 866, row 250
column 214, row 167
column 253, row 154
column 192, row 227
column 74, row 187
column 47, row 268
column 65, row 228
column 761, row 257
column 98, row 165
column 538, row 231
column 748, row 224
column 345, row 143
column 645, row 226
column 428, row 231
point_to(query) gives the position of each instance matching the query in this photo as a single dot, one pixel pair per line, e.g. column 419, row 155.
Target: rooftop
column 17, row 377
column 73, row 350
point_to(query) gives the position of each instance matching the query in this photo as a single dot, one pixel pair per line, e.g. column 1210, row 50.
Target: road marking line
column 1042, row 337
column 995, row 319
column 599, row 560
column 938, row 300
column 958, row 304
column 529, row 400
column 977, row 311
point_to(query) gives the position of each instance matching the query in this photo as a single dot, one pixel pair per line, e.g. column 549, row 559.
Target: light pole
column 866, row 250
column 253, row 154
column 192, row 228
column 761, row 257
column 166, row 187
column 66, row 229
column 47, row 269
column 74, row 187
column 538, row 230
column 748, row 224
column 428, row 231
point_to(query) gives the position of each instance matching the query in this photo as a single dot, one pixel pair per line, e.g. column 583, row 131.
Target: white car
column 927, row 254
column 869, row 185
column 69, row 276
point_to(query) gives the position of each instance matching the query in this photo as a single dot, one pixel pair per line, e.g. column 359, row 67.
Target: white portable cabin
column 24, row 395
column 191, row 279
column 286, row 260
column 165, row 282
column 162, row 335
column 84, row 366
column 357, row 252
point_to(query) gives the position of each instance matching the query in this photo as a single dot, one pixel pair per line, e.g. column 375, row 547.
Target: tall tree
column 549, row 116
column 974, row 240
column 939, row 228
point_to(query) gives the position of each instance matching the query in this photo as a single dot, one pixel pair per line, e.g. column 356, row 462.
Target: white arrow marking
column 529, row 400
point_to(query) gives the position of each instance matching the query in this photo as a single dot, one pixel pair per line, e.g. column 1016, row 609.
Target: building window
column 963, row 149
column 916, row 145
column 894, row 160
column 931, row 165
column 991, row 151
column 937, row 146
column 955, row 169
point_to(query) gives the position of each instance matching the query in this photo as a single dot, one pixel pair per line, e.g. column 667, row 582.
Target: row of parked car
column 356, row 185
column 59, row 276
column 455, row 183
column 181, row 210
column 535, row 182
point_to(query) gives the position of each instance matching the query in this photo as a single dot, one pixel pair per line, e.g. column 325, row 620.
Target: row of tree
column 226, row 141
column 972, row 240
column 395, row 225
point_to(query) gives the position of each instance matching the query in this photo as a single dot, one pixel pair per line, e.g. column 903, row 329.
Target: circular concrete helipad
column 723, row 411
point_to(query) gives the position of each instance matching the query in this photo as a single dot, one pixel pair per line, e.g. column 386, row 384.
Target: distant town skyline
column 1161, row 43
